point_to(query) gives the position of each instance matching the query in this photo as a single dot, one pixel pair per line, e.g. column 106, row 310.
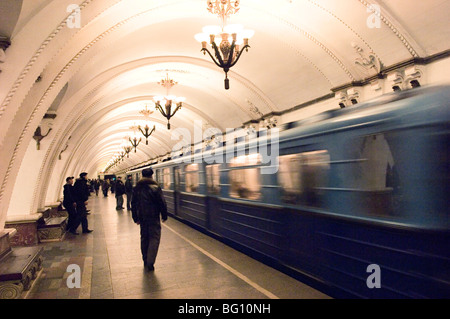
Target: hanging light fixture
column 126, row 147
column 134, row 140
column 146, row 112
column 168, row 100
column 146, row 131
column 226, row 40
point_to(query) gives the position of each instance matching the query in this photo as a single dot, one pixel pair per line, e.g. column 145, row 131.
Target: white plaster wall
column 309, row 111
column 22, row 196
column 439, row 72
column 55, row 180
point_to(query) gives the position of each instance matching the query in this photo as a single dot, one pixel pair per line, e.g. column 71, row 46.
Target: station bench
column 18, row 268
column 53, row 224
column 52, row 229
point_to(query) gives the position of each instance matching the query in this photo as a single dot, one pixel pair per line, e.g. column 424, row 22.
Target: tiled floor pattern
column 190, row 265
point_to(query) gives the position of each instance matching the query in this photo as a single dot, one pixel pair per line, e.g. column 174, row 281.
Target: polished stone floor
column 190, row 265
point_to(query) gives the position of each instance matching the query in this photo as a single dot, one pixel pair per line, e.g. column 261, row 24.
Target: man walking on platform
column 81, row 194
column 147, row 205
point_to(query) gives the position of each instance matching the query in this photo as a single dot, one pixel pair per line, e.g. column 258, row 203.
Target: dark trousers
column 81, row 217
column 73, row 216
column 119, row 202
column 150, row 238
column 129, row 200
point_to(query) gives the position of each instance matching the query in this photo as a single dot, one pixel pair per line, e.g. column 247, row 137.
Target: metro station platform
column 190, row 265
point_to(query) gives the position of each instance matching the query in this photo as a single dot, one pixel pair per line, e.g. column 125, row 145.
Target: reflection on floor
column 190, row 265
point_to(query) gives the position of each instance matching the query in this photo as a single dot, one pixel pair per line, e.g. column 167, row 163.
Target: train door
column 212, row 177
column 177, row 188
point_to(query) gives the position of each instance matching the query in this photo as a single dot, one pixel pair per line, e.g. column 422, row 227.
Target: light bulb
column 212, row 29
column 239, row 40
column 233, row 28
column 248, row 34
column 202, row 37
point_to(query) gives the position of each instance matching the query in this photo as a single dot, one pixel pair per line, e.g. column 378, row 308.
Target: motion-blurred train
column 358, row 206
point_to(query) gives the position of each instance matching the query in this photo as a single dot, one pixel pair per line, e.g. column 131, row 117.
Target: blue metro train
column 358, row 206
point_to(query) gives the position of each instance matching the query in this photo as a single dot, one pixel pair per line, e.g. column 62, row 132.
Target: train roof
column 418, row 106
column 424, row 105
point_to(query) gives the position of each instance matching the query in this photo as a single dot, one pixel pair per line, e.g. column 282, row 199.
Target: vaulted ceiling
column 96, row 77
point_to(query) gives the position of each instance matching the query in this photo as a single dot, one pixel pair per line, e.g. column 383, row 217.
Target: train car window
column 245, row 178
column 138, row 177
column 166, row 178
column 192, row 178
column 177, row 178
column 157, row 176
column 213, row 179
column 373, row 175
column 372, row 171
column 302, row 177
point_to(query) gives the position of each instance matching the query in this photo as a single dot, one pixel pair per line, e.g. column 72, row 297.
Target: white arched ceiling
column 301, row 50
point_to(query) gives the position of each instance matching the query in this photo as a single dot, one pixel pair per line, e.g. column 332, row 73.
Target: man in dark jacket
column 129, row 191
column 105, row 187
column 147, row 204
column 120, row 191
column 81, row 193
column 70, row 205
column 96, row 186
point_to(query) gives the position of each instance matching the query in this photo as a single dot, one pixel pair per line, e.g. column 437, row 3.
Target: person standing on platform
column 70, row 205
column 96, row 186
column 147, row 205
column 112, row 184
column 105, row 187
column 129, row 191
column 81, row 193
column 120, row 191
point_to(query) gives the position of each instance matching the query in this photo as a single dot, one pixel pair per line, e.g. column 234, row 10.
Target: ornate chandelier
column 168, row 100
column 146, row 112
column 226, row 40
column 146, row 130
column 126, row 148
column 134, row 141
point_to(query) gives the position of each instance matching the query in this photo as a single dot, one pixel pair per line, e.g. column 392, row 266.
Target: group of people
column 145, row 200
column 123, row 189
column 76, row 197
